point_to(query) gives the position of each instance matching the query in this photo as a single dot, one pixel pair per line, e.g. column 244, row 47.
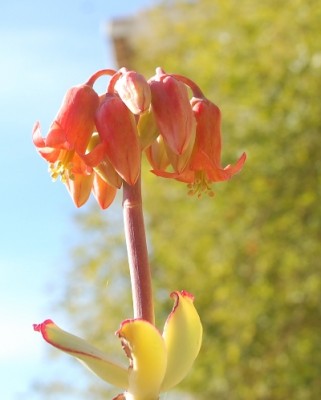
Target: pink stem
column 195, row 89
column 91, row 81
column 137, row 252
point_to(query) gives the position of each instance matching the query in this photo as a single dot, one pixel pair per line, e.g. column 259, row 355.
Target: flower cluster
column 95, row 142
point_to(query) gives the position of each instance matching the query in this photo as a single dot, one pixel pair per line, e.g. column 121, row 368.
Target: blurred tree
column 252, row 254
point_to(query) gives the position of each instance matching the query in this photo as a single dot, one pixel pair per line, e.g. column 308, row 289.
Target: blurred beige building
column 120, row 31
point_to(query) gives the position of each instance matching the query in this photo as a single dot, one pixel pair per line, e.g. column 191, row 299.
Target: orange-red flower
column 79, row 178
column 172, row 111
column 204, row 165
column 70, row 132
column 74, row 123
column 134, row 91
column 117, row 130
column 67, row 142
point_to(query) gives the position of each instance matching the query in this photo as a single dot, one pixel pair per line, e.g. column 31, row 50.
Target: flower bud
column 134, row 91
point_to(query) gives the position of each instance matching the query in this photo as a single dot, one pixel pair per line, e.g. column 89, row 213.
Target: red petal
column 173, row 112
column 76, row 116
column 104, row 193
column 187, row 176
column 48, row 153
column 117, row 129
column 57, row 137
column 96, row 156
column 37, row 139
column 79, row 188
column 234, row 169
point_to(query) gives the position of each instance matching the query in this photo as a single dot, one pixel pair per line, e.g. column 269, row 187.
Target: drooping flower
column 172, row 111
column 156, row 362
column 134, row 90
column 70, row 137
column 70, row 131
column 205, row 164
column 80, row 179
column 203, row 167
column 117, row 129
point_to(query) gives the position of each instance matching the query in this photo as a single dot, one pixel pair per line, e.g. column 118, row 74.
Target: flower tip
column 36, row 135
column 176, row 295
column 36, row 327
column 41, row 327
column 238, row 166
column 118, row 333
column 36, row 126
column 134, row 91
column 242, row 160
column 160, row 71
column 185, row 293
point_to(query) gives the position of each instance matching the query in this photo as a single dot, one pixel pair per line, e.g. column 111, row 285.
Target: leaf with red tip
column 93, row 358
column 183, row 337
column 146, row 349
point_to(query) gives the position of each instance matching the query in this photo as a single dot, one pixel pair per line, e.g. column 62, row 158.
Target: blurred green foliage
column 251, row 255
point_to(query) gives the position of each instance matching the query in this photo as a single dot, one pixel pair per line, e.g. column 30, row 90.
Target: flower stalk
column 140, row 274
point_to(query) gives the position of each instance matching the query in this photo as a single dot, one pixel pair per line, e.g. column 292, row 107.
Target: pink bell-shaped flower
column 172, row 110
column 117, row 129
column 134, row 91
column 204, row 165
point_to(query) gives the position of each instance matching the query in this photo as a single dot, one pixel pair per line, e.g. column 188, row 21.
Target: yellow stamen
column 200, row 185
column 62, row 167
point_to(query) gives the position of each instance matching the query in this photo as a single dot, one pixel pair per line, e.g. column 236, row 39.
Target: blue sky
column 45, row 48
